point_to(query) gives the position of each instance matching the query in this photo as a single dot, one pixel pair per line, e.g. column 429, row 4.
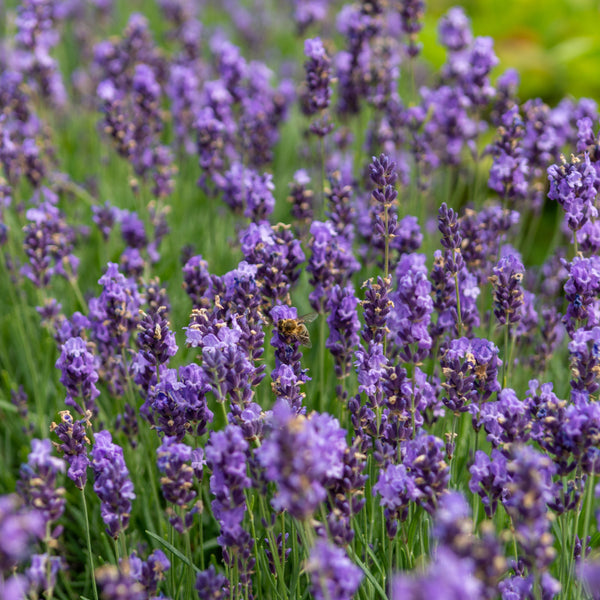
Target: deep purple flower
column 574, row 186
column 506, row 421
column 412, row 307
column 112, row 483
column 74, row 442
column 333, row 575
column 412, row 13
column 397, row 489
column 470, row 368
column 42, row 572
column 581, row 291
column 149, row 572
column 48, row 242
column 79, row 376
column 316, row 94
column 454, row 29
column 584, row 353
column 277, row 254
column 302, row 199
column 508, row 293
column 210, row 584
column 179, row 405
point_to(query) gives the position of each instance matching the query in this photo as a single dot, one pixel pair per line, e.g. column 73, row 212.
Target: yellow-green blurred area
column 554, row 45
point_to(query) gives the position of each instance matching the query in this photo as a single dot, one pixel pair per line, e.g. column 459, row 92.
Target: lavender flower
column 316, row 95
column 506, row 420
column 412, row 13
column 226, row 456
column 21, row 527
column 530, row 476
column 210, row 584
column 149, row 572
column 333, row 575
column 74, row 442
column 581, row 290
column 118, row 583
column 449, row 576
column 575, row 186
column 112, row 483
column 343, row 327
column 196, row 280
column 331, row 262
column 412, row 307
column 178, row 477
column 301, row 455
column 508, row 294
column 488, row 479
column 302, row 200
column 397, row 489
column 584, row 352
column 38, row 484
column 78, row 366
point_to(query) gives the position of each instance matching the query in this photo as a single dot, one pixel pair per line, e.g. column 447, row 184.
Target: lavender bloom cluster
column 271, row 163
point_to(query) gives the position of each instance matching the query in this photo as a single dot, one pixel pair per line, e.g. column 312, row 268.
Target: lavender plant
column 165, row 226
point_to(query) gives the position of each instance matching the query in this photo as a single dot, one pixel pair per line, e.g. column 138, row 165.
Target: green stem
column 89, row 544
column 323, row 371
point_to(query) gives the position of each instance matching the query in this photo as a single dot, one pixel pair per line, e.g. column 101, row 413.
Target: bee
column 295, row 329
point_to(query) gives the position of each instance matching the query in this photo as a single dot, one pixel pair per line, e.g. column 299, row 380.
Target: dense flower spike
column 112, row 483
column 508, row 293
column 316, row 95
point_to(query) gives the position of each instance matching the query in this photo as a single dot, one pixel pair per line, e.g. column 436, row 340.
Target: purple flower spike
column 508, row 293
column 333, row 575
column 79, row 375
column 112, row 483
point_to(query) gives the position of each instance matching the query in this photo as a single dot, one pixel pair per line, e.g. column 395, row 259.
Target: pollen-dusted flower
column 333, row 575
column 118, row 583
column 112, row 483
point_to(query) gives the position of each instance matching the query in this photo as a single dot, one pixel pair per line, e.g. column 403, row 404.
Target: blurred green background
column 555, row 44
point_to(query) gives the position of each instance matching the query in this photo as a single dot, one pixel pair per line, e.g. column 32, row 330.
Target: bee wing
column 309, row 318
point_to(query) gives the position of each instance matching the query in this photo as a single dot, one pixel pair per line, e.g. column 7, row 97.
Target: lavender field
column 289, row 312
